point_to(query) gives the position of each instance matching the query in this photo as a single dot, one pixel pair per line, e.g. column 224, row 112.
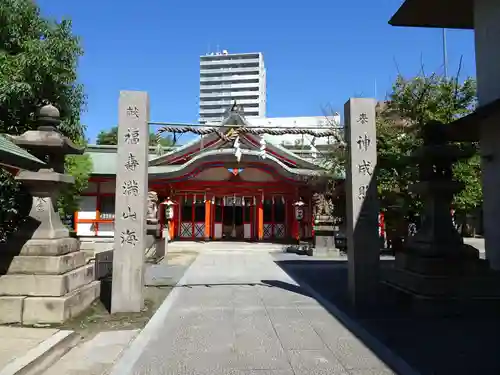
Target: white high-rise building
column 226, row 78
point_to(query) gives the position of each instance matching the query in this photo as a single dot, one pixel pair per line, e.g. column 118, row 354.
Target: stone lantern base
column 455, row 282
column 48, row 282
column 444, row 286
column 46, row 278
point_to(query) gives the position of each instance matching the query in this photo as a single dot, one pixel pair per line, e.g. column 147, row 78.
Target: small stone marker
column 131, row 202
column 363, row 248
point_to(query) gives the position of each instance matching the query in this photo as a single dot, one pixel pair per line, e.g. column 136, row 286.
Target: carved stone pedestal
column 324, row 238
column 47, row 280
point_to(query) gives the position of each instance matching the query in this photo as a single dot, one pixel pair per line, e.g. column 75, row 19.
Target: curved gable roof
column 213, row 142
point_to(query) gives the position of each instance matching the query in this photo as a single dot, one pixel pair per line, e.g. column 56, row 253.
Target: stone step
column 46, row 285
column 42, row 356
column 59, row 309
column 46, row 265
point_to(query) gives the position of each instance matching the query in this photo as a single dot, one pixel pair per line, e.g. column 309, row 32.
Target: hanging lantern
column 205, row 197
column 299, row 209
column 194, row 198
column 169, row 208
column 254, row 203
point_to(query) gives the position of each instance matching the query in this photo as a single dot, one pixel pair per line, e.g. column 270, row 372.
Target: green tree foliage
column 412, row 103
column 80, row 167
column 110, row 137
column 38, row 63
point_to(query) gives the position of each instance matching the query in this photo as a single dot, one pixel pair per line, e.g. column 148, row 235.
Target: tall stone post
column 487, row 34
column 131, row 202
column 363, row 250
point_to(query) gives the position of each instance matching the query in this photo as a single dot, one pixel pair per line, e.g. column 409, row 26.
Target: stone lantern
column 47, row 280
column 435, row 267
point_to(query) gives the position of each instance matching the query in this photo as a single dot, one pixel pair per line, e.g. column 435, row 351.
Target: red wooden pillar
column 208, row 218
column 260, row 219
column 193, row 200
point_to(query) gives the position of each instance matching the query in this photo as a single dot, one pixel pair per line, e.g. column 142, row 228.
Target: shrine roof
column 208, row 148
column 233, row 120
column 449, row 14
column 104, row 159
column 15, row 156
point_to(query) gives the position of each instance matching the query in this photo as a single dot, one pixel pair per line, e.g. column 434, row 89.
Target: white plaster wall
column 106, row 230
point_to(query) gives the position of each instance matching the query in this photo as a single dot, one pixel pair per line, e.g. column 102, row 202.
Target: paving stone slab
column 94, row 357
column 236, row 325
column 38, row 357
column 353, row 354
column 379, row 371
column 294, row 331
column 162, row 274
column 315, row 362
column 27, row 333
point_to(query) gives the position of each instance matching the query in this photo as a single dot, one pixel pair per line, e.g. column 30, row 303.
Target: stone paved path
column 94, row 357
column 239, row 313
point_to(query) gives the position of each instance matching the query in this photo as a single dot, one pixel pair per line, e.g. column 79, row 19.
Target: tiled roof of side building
column 15, row 156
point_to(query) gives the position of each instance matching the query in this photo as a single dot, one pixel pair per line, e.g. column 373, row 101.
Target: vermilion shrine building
column 216, row 196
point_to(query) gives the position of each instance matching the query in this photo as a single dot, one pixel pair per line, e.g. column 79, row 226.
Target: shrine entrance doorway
column 234, row 218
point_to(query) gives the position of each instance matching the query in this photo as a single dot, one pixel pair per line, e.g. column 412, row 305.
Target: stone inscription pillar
column 487, row 34
column 130, row 202
column 361, row 194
